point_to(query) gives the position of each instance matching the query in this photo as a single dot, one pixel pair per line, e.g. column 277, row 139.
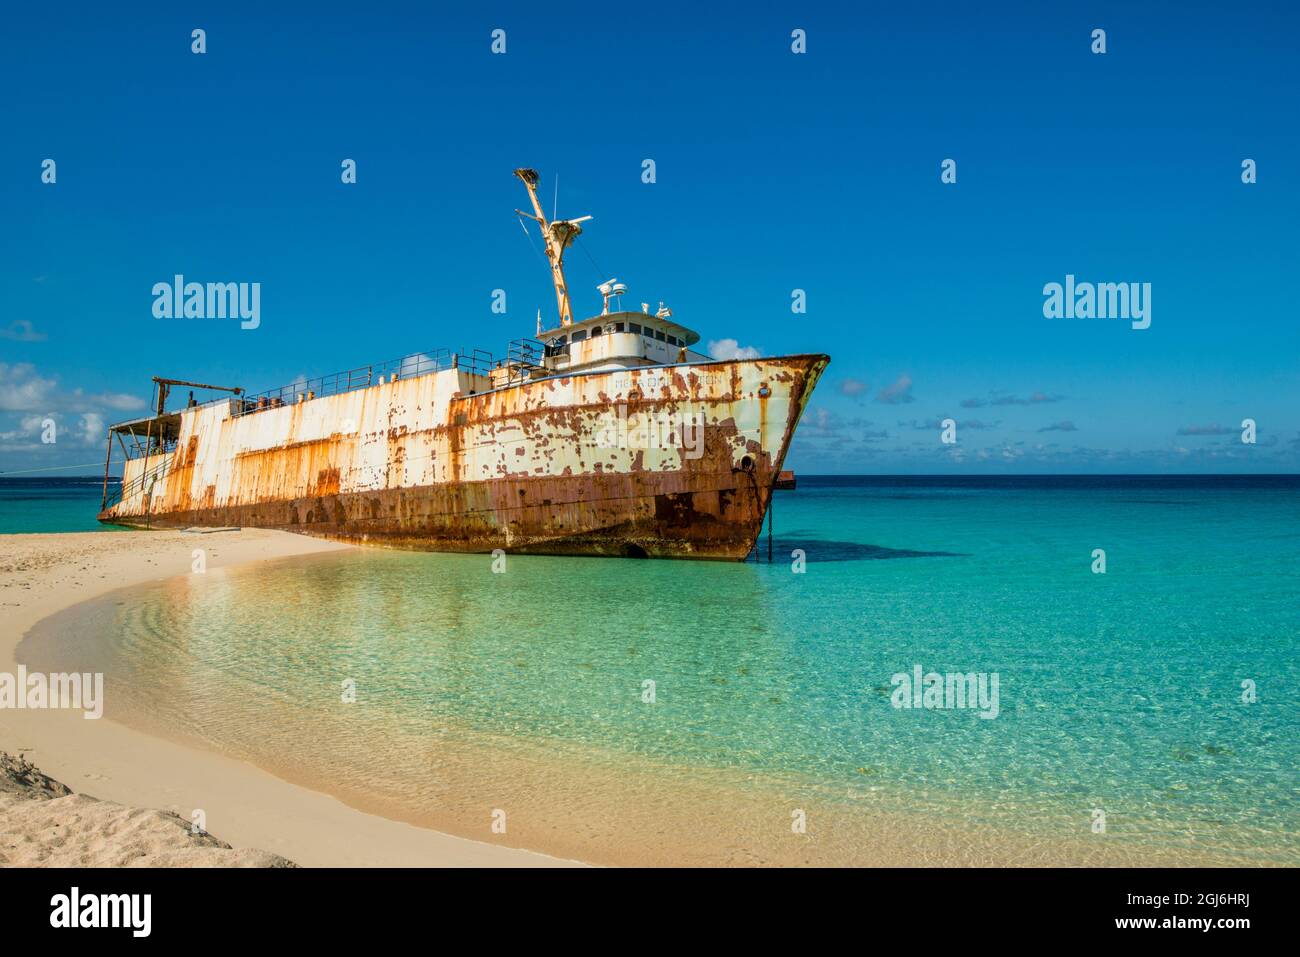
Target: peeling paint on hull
column 423, row 464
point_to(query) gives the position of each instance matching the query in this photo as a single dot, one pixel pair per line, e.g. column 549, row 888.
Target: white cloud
column 84, row 430
column 22, row 390
column 119, row 401
column 22, row 330
column 31, row 399
column 92, row 428
column 854, row 387
column 731, row 349
column 897, row 393
column 417, row 364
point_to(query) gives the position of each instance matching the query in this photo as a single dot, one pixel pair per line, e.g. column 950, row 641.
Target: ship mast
column 557, row 236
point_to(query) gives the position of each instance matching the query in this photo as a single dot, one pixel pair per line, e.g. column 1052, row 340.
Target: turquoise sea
column 1159, row 698
column 51, row 504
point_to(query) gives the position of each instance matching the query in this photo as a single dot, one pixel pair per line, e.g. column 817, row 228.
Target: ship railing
column 475, row 361
column 527, row 352
column 524, row 359
column 143, row 447
column 141, row 484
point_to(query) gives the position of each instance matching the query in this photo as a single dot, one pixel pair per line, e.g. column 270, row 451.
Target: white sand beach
column 46, row 825
column 128, row 784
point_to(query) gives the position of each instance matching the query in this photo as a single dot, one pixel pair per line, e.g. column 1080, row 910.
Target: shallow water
column 526, row 690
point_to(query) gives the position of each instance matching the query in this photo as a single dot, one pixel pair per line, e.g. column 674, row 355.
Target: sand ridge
column 46, row 825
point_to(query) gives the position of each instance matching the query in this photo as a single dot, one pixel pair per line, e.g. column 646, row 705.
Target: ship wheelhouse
column 618, row 340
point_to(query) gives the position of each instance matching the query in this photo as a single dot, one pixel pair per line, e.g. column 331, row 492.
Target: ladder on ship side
column 140, row 484
column 525, row 358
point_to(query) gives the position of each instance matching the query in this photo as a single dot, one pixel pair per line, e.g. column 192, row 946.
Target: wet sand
column 43, row 574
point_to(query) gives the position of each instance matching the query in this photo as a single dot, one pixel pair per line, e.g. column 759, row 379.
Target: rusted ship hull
column 422, row 463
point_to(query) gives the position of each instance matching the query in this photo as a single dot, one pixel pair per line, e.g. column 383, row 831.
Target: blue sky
column 775, row 172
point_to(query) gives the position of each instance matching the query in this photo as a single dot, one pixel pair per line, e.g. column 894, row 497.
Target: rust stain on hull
column 611, row 517
column 426, row 464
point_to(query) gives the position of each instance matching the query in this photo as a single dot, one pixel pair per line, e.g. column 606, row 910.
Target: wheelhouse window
column 659, row 334
column 580, row 335
column 672, row 341
column 597, row 330
column 634, row 328
column 618, row 327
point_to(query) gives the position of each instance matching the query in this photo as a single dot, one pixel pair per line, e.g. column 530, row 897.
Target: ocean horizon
column 70, row 503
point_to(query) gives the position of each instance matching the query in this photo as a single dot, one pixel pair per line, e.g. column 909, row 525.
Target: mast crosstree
column 558, row 235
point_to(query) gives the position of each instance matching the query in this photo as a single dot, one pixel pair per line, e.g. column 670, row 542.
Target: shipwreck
column 605, row 436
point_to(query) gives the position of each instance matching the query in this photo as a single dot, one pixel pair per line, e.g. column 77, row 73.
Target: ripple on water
column 772, row 690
